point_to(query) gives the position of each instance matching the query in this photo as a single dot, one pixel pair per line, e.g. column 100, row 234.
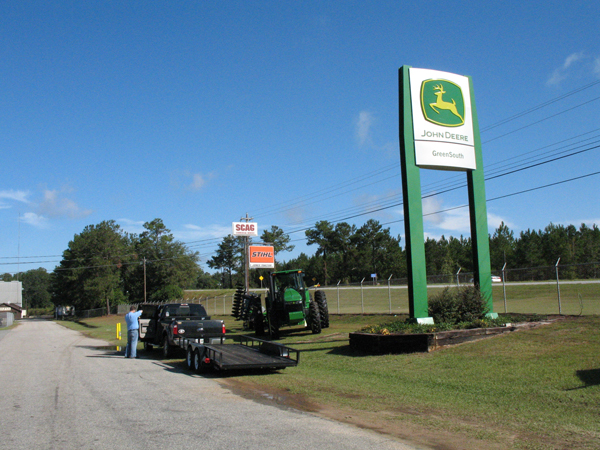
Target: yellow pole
column 119, row 331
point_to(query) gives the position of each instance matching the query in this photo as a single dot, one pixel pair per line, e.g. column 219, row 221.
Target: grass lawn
column 532, row 389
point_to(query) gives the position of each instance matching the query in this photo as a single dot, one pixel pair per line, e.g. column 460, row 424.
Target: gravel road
column 62, row 390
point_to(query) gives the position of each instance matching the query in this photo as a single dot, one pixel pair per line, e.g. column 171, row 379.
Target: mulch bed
column 378, row 344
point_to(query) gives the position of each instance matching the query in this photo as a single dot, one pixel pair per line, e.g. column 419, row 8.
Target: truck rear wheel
column 189, row 360
column 166, row 347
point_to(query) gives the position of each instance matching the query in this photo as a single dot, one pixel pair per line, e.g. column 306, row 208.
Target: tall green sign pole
column 413, row 207
column 480, row 240
column 439, row 130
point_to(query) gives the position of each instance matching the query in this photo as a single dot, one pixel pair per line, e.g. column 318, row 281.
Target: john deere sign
column 442, row 120
column 439, row 130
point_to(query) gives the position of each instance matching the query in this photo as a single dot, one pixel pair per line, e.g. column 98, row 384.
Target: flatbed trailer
column 250, row 353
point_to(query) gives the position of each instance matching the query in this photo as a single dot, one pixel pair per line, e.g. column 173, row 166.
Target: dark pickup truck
column 175, row 325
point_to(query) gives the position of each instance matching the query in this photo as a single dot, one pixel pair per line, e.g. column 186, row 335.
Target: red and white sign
column 261, row 256
column 244, row 229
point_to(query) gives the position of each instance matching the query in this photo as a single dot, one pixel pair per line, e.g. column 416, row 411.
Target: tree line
column 348, row 254
column 104, row 266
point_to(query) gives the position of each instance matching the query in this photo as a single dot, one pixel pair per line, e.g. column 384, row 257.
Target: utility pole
column 246, row 262
column 144, row 280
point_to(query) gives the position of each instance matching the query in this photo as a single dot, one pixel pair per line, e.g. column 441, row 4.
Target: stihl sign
column 261, row 257
column 244, row 229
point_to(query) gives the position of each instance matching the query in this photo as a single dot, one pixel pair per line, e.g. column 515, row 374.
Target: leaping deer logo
column 440, row 103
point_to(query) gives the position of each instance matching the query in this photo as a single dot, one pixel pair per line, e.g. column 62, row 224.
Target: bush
column 33, row 312
column 458, row 305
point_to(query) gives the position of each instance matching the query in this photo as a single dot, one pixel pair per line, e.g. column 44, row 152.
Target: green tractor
column 287, row 303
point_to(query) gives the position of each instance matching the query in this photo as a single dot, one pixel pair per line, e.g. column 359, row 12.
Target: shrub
column 457, row 305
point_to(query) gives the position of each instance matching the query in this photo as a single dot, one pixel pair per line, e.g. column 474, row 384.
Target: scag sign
column 261, row 256
column 244, row 229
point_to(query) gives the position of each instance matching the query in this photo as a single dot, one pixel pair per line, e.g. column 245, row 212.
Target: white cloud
column 198, row 181
column 195, row 232
column 363, row 127
column 181, row 179
column 574, row 57
column 35, row 220
column 452, row 219
column 131, row 226
column 494, row 222
column 430, row 206
column 19, row 196
column 563, row 72
column 55, row 205
column 295, row 215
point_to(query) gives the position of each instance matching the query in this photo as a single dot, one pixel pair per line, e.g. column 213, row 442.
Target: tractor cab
column 289, row 286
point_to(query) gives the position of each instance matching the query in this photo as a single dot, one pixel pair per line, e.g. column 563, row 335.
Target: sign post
column 245, row 229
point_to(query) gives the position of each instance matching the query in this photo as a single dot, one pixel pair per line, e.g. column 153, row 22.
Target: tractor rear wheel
column 273, row 328
column 321, row 300
column 314, row 318
column 259, row 323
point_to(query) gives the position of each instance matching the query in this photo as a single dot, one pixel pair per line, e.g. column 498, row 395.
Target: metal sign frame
column 413, row 208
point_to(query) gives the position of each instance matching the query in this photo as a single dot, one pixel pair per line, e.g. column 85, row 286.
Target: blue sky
column 199, row 112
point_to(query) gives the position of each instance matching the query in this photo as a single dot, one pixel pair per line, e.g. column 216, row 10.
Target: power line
column 535, row 108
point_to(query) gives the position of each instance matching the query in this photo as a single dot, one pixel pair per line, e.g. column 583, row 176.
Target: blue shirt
column 132, row 320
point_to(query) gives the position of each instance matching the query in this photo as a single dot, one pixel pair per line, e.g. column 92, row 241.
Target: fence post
column 504, row 285
column 338, row 295
column 390, row 293
column 457, row 280
column 362, row 297
column 558, row 287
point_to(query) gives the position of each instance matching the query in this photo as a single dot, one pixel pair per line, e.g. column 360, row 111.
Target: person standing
column 132, row 332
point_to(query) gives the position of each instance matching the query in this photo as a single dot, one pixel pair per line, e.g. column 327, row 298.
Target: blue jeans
column 132, row 340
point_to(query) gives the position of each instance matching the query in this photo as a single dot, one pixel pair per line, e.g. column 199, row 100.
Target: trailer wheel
column 198, row 365
column 321, row 300
column 166, row 347
column 189, row 360
column 314, row 318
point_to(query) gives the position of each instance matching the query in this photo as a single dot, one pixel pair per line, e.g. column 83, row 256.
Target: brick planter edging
column 379, row 344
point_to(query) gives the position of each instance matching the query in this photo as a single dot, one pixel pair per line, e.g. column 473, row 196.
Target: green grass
column 537, row 388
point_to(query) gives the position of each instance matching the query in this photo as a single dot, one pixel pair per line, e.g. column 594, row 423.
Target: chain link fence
column 535, row 290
